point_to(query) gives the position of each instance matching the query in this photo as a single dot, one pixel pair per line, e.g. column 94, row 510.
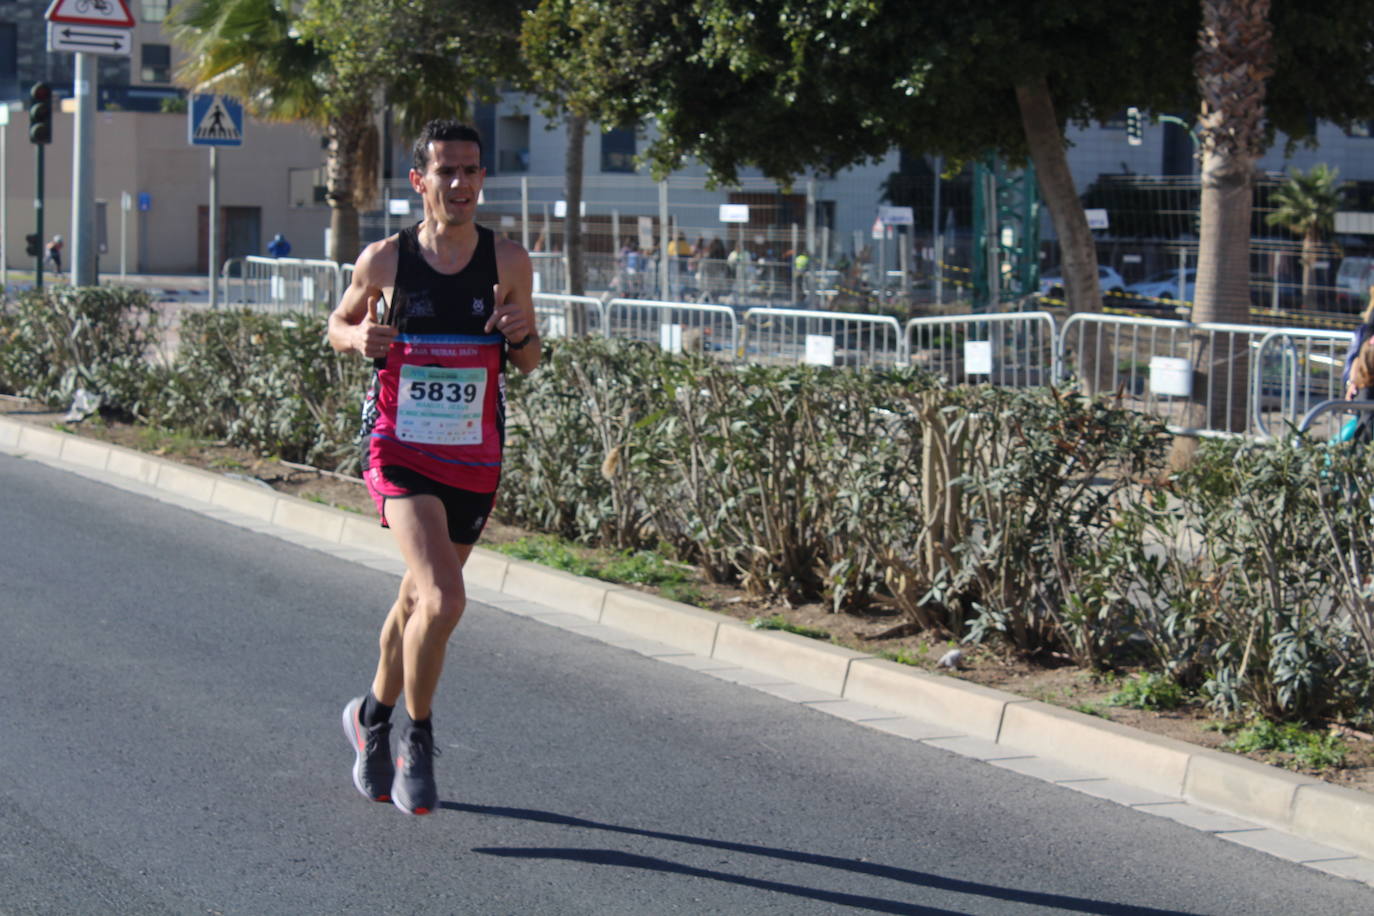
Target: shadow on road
column 873, row 869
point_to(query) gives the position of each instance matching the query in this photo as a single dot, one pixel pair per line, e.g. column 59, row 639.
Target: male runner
column 455, row 307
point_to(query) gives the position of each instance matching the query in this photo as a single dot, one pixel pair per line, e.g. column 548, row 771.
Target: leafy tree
column 1306, row 205
column 334, row 63
column 791, row 85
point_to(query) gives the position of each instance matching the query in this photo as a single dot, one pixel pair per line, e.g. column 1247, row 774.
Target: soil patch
column 874, row 633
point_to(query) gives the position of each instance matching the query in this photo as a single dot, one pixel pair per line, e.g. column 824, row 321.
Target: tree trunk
column 1232, row 63
column 345, row 134
column 573, row 242
column 1079, row 252
column 572, row 178
column 1309, row 264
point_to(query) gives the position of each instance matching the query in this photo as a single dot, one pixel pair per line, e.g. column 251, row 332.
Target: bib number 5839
column 441, row 406
column 454, row 392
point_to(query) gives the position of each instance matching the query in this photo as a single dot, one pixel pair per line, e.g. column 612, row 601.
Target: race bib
column 439, row 406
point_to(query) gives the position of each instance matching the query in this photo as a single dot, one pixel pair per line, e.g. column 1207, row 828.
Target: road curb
column 1301, row 805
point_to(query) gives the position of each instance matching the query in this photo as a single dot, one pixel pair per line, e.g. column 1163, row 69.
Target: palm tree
column 1233, row 60
column 331, row 63
column 1306, row 206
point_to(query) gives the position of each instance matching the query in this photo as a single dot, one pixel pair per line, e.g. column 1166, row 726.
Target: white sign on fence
column 820, row 350
column 978, row 357
column 670, row 338
column 307, row 289
column 1171, row 375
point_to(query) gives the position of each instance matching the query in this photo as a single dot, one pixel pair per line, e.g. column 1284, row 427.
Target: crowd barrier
column 791, row 336
column 1015, row 348
column 558, row 315
column 281, row 284
column 675, row 326
column 1257, row 380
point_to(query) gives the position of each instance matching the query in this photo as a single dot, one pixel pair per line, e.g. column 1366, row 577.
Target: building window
column 513, row 138
column 618, row 150
column 157, row 63
column 1362, row 129
column 9, row 61
column 154, row 10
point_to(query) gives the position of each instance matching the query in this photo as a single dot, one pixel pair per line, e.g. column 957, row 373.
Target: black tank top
column 428, row 302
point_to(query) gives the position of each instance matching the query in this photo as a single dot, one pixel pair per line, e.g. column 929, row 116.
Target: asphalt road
column 172, row 687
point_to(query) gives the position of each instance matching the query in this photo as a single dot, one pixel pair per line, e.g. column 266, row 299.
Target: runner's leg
column 435, row 567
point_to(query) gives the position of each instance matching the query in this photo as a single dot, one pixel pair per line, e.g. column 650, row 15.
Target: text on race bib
column 439, row 406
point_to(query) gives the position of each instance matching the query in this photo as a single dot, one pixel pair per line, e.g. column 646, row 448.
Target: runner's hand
column 373, row 340
column 508, row 318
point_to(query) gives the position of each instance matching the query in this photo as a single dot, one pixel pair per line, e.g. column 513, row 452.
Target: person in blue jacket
column 279, row 247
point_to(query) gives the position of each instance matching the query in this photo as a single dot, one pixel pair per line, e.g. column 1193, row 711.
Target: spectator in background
column 55, row 253
column 1364, row 332
column 679, row 250
column 712, row 272
column 279, row 247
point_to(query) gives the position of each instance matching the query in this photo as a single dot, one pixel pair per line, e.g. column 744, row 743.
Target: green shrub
column 1149, row 691
column 100, row 339
column 270, row 383
column 1310, row 749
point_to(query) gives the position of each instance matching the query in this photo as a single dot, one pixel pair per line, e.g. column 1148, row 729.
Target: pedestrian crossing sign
column 215, row 120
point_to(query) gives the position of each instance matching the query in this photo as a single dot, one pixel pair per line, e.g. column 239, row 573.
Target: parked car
column 1108, row 280
column 1164, row 285
column 1353, row 279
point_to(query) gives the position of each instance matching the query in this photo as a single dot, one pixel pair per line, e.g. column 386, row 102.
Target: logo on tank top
column 419, row 306
column 479, row 306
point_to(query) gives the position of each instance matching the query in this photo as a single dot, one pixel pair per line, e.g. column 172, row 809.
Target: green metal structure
column 1006, row 232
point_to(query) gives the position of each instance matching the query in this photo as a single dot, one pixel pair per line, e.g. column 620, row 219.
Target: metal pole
column 125, row 202
column 4, row 199
column 83, row 263
column 938, row 237
column 792, row 267
column 811, row 217
column 525, row 212
column 214, row 227
column 663, row 240
column 38, row 216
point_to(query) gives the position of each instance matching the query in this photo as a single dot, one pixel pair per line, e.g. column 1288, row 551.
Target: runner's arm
column 353, row 324
column 514, row 312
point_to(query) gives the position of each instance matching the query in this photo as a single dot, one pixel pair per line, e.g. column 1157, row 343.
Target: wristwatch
column 517, row 346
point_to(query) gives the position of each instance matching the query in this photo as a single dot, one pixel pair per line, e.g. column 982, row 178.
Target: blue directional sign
column 215, row 120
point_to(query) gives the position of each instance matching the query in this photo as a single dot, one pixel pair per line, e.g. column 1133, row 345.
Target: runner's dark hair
column 439, row 129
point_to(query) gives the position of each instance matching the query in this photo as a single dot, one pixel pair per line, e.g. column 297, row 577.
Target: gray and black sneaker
column 413, row 789
column 372, row 770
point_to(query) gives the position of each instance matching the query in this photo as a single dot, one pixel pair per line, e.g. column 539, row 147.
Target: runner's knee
column 440, row 606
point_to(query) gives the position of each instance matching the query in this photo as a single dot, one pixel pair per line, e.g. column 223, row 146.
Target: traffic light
column 1133, row 135
column 40, row 113
column 32, row 245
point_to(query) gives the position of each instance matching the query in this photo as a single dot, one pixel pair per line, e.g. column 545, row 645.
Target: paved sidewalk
column 1294, row 817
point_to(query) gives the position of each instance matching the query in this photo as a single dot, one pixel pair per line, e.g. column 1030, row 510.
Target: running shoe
column 372, row 770
column 413, row 789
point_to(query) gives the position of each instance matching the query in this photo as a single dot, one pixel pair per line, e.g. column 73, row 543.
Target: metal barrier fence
column 567, row 316
column 675, row 326
column 281, row 284
column 1015, row 349
column 1296, row 369
column 1278, row 375
column 790, row 336
column 1152, row 362
column 550, row 271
